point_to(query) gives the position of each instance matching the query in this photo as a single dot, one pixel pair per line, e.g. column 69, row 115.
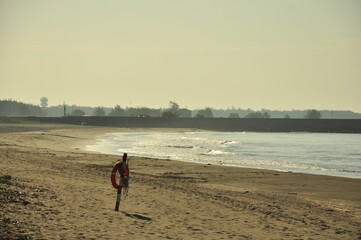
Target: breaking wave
column 317, row 153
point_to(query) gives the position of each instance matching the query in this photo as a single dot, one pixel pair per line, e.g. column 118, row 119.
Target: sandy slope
column 59, row 191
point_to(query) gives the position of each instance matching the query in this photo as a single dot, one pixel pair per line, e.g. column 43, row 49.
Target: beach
column 58, row 190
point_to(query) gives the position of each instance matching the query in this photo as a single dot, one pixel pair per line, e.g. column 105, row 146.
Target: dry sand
column 60, row 191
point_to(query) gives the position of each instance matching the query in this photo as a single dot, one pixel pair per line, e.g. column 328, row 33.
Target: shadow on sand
column 137, row 216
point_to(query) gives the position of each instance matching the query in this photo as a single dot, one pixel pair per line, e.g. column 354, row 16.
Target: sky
column 261, row 54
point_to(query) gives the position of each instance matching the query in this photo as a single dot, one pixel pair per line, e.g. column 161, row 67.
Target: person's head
column 124, row 157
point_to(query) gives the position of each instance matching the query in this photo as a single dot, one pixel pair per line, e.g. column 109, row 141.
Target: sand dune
column 60, row 191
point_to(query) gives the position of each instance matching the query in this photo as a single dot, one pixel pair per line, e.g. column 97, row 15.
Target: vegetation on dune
column 5, row 179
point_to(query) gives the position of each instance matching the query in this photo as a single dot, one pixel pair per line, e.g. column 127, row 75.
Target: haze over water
column 316, row 153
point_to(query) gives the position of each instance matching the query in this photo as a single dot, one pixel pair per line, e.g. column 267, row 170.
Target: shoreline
column 99, row 148
column 63, row 192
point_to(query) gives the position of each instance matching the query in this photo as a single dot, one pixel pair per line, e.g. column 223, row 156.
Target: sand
column 58, row 190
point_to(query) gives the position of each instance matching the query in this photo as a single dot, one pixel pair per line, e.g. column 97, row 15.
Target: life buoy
column 114, row 174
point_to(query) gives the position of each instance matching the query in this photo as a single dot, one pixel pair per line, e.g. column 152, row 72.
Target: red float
column 114, row 174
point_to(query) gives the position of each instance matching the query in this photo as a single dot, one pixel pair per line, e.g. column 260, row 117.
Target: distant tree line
column 258, row 115
column 13, row 108
column 330, row 114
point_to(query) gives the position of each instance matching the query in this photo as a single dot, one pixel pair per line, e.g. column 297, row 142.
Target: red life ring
column 112, row 177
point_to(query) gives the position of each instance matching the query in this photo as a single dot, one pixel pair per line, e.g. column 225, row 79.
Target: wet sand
column 60, row 191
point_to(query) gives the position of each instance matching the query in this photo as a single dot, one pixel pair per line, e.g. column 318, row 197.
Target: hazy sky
column 279, row 54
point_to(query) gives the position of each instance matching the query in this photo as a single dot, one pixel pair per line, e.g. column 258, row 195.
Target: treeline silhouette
column 12, row 108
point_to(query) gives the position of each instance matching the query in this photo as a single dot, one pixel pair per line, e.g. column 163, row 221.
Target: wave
column 228, row 142
column 178, row 146
column 214, row 152
column 211, row 141
column 321, row 154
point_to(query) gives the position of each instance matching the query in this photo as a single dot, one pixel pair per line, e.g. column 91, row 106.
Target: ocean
column 316, row 153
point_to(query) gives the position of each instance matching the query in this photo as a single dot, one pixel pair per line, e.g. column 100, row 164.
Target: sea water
column 317, row 153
